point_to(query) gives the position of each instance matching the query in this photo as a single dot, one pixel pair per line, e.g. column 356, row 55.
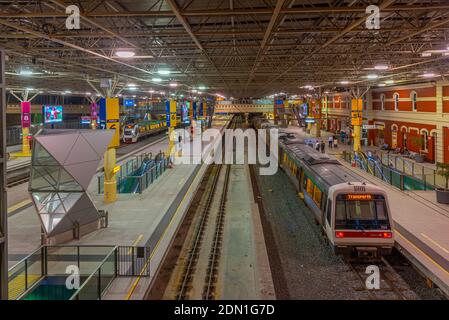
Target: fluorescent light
column 156, row 79
column 88, row 93
column 162, row 92
column 132, row 88
column 389, row 81
column 132, row 85
column 173, row 84
column 151, row 91
column 202, row 87
column 125, row 53
column 426, row 54
column 381, row 85
column 164, row 72
column 372, row 76
column 25, row 72
column 429, row 75
column 381, row 67
column 194, row 90
column 67, row 91
column 344, row 82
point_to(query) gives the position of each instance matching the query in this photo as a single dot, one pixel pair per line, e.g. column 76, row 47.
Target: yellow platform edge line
column 19, row 205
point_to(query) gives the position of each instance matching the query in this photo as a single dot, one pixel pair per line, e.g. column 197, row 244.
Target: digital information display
column 52, row 114
column 356, row 197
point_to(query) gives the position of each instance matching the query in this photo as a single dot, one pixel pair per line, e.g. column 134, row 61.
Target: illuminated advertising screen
column 52, row 114
column 185, row 114
column 128, row 103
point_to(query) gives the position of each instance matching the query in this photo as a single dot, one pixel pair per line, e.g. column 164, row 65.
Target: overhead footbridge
column 231, row 107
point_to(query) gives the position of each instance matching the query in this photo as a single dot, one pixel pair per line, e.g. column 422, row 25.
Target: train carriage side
column 354, row 216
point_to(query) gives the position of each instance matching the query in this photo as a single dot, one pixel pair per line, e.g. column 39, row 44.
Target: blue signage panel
column 195, row 115
column 167, row 112
column 102, row 114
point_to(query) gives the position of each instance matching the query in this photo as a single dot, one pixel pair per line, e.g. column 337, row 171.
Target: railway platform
column 148, row 219
column 421, row 223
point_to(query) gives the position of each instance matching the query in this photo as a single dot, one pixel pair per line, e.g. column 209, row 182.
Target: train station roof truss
column 237, row 48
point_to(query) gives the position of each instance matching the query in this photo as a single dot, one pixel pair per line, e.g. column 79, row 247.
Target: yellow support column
column 110, row 183
column 26, row 152
column 171, row 124
column 25, row 111
column 356, row 119
column 112, row 123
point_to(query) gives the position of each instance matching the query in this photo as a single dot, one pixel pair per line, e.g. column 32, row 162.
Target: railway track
column 206, row 254
column 214, row 258
column 18, row 179
column 391, row 284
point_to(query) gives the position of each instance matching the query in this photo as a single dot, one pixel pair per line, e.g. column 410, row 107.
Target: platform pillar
column 170, row 108
column 110, row 182
column 25, row 109
column 112, row 123
column 356, row 119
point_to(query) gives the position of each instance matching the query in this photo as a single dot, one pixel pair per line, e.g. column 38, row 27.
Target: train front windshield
column 361, row 212
column 129, row 132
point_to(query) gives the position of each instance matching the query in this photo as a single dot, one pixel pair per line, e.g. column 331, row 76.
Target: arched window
column 382, row 101
column 396, row 101
column 425, row 140
column 414, row 98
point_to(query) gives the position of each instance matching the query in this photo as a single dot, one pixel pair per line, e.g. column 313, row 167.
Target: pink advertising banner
column 26, row 114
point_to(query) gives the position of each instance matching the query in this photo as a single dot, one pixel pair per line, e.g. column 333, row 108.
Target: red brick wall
column 430, row 154
column 422, row 106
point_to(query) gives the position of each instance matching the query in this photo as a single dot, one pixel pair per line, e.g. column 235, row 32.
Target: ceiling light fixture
column 381, row 67
column 125, row 54
column 429, row 75
column 372, row 76
column 25, row 72
column 156, row 79
column 164, row 72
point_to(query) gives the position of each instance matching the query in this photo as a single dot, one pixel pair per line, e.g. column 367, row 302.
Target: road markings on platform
column 435, row 243
column 135, row 242
column 19, row 205
column 423, row 253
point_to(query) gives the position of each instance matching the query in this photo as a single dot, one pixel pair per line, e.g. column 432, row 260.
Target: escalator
column 131, row 183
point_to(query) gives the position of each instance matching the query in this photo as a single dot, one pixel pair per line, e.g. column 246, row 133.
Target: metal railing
column 412, row 168
column 390, row 174
column 143, row 181
column 98, row 266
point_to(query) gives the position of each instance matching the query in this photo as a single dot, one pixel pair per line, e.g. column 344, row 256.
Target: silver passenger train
column 355, row 216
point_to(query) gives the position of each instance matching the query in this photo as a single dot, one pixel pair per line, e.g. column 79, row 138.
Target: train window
column 317, row 196
column 309, row 187
column 361, row 214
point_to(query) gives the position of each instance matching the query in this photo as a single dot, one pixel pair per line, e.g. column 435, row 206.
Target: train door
column 299, row 176
column 327, row 222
